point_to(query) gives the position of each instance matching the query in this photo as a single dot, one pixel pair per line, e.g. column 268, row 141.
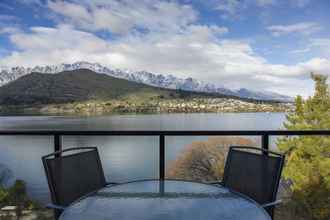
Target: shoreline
column 114, row 107
column 126, row 114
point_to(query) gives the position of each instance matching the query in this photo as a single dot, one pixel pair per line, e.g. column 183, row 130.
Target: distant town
column 85, row 92
column 196, row 105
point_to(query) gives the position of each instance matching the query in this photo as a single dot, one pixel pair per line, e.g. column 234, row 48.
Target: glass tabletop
column 164, row 200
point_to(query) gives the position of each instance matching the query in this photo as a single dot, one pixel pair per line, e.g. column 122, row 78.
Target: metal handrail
column 166, row 132
column 264, row 134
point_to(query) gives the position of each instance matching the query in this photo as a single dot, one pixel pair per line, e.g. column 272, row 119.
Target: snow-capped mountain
column 263, row 95
column 158, row 80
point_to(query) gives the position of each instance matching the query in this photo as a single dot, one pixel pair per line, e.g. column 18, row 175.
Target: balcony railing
column 58, row 134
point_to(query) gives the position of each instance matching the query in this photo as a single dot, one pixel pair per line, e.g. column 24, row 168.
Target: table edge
column 178, row 180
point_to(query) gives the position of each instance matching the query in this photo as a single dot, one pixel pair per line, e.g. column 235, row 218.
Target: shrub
column 204, row 160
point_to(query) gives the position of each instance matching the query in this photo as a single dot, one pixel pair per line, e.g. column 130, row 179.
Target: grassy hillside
column 88, row 93
column 81, row 85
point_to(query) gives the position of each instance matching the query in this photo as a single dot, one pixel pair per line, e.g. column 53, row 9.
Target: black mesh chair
column 255, row 172
column 72, row 175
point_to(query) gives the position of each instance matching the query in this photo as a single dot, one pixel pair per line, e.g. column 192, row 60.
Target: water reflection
column 123, row 158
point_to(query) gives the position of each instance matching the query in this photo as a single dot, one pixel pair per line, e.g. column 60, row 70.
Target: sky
column 270, row 45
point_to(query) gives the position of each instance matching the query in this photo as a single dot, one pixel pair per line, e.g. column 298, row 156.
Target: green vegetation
column 307, row 169
column 16, row 196
column 79, row 86
column 84, row 92
column 308, row 157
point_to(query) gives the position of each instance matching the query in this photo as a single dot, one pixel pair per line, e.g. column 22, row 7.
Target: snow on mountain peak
column 169, row 81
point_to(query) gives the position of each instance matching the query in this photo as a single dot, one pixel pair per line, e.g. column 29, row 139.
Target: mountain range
column 167, row 81
column 85, row 85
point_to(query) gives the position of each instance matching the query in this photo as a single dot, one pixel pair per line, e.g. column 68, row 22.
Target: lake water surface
column 123, row 158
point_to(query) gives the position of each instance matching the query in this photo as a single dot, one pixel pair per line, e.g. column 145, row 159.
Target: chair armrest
column 110, row 183
column 272, row 203
column 53, row 206
column 216, row 183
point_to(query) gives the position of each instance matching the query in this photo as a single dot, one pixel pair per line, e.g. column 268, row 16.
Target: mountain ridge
column 85, row 92
column 157, row 80
column 80, row 85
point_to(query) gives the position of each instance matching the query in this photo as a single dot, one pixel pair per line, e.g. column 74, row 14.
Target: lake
column 123, row 158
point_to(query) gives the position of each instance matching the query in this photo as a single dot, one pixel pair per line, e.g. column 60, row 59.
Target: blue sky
column 258, row 44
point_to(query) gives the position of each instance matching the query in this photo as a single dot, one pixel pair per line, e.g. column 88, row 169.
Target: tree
column 204, row 160
column 308, row 157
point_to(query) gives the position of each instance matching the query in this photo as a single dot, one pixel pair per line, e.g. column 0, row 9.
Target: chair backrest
column 255, row 172
column 74, row 175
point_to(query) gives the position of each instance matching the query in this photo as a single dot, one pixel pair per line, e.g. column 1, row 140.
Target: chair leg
column 270, row 211
column 57, row 213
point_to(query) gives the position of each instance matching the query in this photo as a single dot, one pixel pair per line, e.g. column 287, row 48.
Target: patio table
column 160, row 200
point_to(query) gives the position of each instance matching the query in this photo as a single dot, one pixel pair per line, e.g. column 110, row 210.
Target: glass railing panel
column 201, row 158
column 124, row 158
column 20, row 158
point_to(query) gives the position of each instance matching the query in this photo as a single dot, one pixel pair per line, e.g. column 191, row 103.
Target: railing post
column 57, row 143
column 161, row 157
column 57, row 147
column 265, row 142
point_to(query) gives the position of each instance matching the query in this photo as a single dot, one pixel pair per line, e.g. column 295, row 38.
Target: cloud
column 305, row 50
column 232, row 7
column 9, row 30
column 31, row 2
column 122, row 17
column 43, row 45
column 299, row 3
column 8, row 19
column 265, row 2
column 305, row 28
column 6, row 6
column 162, row 37
column 320, row 44
column 194, row 52
column 5, row 17
column 228, row 6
